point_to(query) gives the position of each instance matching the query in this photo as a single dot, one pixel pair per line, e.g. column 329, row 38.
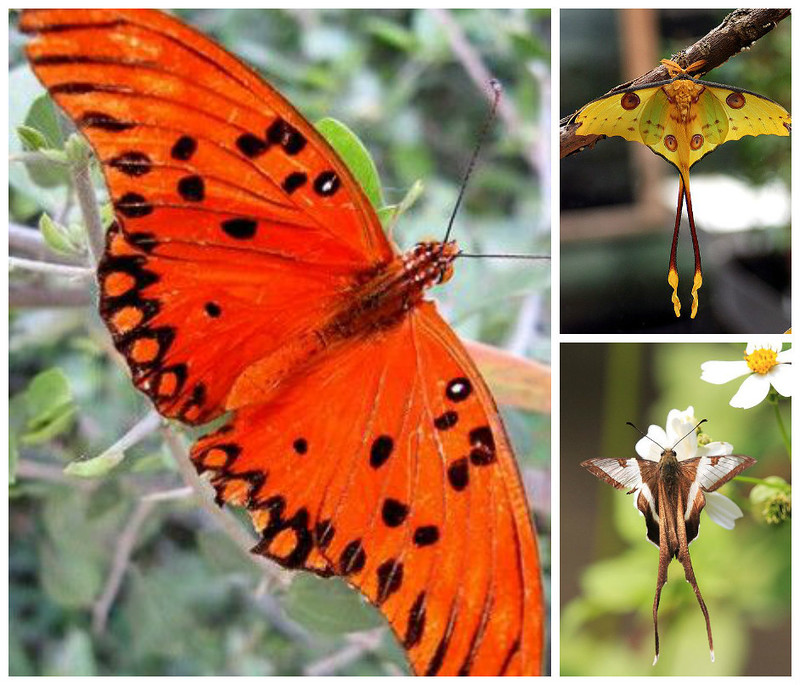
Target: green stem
column 760, row 481
column 773, row 400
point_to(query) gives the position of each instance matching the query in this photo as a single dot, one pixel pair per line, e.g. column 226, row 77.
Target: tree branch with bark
column 738, row 31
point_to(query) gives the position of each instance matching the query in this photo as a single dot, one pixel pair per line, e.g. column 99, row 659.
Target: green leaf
column 355, row 156
column 95, row 467
column 329, row 606
column 223, row 555
column 48, row 391
column 49, row 405
column 70, row 578
column 392, row 213
column 31, row 138
column 26, row 89
column 74, row 656
column 42, row 118
column 16, row 422
column 58, row 237
column 392, row 34
column 78, row 150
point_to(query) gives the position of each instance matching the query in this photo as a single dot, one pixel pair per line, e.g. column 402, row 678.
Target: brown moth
column 670, row 495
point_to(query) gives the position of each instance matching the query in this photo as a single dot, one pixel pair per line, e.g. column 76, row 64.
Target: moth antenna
column 497, row 91
column 645, row 435
column 689, row 433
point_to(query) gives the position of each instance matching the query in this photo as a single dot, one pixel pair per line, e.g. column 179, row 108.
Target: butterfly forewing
column 231, row 210
column 623, row 474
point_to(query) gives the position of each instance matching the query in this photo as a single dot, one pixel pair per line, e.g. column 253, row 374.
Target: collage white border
column 556, row 337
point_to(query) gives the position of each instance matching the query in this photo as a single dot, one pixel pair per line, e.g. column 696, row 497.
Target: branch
column 358, row 645
column 122, row 554
column 39, row 296
column 473, row 64
column 138, row 432
column 89, row 209
column 227, row 522
column 28, row 242
column 738, row 31
column 35, row 266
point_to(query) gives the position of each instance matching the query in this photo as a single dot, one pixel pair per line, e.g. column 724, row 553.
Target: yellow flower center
column 762, row 360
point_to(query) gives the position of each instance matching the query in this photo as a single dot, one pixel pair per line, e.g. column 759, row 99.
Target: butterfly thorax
column 383, row 296
column 669, row 468
column 684, row 94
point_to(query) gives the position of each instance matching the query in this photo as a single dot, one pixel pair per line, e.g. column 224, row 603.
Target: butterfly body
column 247, row 275
column 682, row 120
column 670, row 495
column 374, row 302
column 382, row 297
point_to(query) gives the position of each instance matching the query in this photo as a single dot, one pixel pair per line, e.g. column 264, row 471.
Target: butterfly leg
column 672, row 276
column 698, row 271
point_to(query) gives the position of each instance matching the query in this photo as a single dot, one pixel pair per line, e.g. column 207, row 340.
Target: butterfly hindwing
column 376, row 483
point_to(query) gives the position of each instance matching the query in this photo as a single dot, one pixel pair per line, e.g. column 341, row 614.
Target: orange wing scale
column 413, row 500
column 231, row 281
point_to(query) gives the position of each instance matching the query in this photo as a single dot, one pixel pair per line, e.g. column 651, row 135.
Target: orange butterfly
column 247, row 273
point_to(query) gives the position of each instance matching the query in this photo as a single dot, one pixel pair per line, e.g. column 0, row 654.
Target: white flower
column 719, row 508
column 764, row 364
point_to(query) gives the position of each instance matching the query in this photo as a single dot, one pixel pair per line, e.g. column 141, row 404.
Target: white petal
column 763, row 345
column 715, row 449
column 647, row 448
column 754, row 389
column 782, row 378
column 687, row 448
column 722, row 510
column 679, row 423
column 723, row 372
column 786, row 356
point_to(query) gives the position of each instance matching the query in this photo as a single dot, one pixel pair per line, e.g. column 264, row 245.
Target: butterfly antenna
column 504, row 256
column 689, row 433
column 497, row 91
column 645, row 435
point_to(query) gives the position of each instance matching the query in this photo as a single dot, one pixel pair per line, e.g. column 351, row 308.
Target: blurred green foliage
column 744, row 573
column 190, row 602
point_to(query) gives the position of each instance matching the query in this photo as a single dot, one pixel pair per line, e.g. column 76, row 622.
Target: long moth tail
column 698, row 269
column 672, row 275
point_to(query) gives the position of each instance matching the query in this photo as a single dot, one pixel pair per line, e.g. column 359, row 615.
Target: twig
column 122, row 554
column 172, row 495
column 87, row 200
column 35, row 266
column 140, row 430
column 481, row 76
column 38, row 296
column 30, row 243
column 205, row 495
column 53, row 473
column 34, row 157
column 739, row 30
column 359, row 644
